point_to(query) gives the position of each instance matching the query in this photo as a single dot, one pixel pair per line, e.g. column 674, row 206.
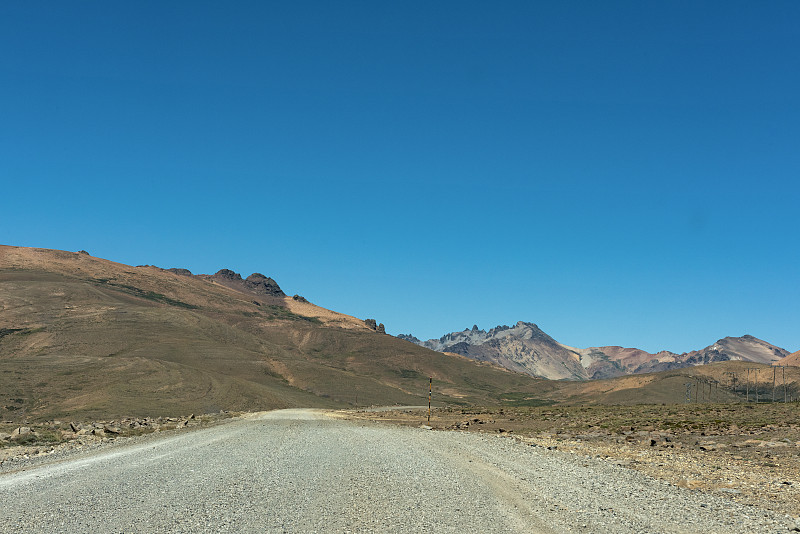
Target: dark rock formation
column 84, row 253
column 182, row 272
column 227, row 274
column 371, row 323
column 298, row 298
column 263, row 285
column 256, row 283
column 381, row 329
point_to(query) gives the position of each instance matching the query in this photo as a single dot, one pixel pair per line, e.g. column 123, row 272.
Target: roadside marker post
column 430, row 392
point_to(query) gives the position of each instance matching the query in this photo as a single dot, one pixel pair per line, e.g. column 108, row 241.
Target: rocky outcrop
column 373, row 325
column 263, row 285
column 182, row 272
column 227, row 275
column 255, row 284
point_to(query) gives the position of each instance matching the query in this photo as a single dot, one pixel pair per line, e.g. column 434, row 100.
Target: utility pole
column 774, row 370
column 748, row 385
column 783, row 368
column 755, row 381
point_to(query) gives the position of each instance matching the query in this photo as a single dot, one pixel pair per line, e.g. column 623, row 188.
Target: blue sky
column 620, row 173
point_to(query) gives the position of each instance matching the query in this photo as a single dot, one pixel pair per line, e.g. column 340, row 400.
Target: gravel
column 301, row 471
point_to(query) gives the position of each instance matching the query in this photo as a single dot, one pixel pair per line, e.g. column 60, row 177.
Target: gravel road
column 303, row 471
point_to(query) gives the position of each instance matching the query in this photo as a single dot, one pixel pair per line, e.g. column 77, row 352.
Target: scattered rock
column 690, row 483
column 84, row 253
column 20, row 432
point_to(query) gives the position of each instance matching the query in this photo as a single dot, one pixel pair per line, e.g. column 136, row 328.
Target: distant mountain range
column 81, row 336
column 524, row 347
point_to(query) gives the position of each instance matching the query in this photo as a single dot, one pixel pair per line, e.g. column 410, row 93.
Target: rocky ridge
column 523, row 347
column 526, row 348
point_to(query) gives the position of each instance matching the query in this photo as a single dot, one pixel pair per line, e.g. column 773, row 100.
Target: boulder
column 21, row 432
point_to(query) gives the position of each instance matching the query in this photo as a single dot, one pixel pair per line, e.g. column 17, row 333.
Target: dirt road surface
column 304, row 471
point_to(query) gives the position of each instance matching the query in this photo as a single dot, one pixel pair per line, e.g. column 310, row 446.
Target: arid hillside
column 83, row 336
column 792, row 359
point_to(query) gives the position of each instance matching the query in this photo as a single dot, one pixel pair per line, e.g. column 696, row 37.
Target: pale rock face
column 525, row 348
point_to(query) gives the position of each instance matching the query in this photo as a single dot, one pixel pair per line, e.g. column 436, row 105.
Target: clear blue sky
column 617, row 172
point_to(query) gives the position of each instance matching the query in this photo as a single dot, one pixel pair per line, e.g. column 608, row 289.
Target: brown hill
column 83, row 336
column 792, row 359
column 746, row 348
column 720, row 382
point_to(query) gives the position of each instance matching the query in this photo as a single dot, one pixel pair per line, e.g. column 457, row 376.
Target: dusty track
column 301, row 471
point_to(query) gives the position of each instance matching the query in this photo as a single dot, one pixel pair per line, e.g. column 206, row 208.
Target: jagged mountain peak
column 523, row 347
column 527, row 348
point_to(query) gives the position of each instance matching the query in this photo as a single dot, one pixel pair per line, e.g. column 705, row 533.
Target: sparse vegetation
column 8, row 331
column 145, row 294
